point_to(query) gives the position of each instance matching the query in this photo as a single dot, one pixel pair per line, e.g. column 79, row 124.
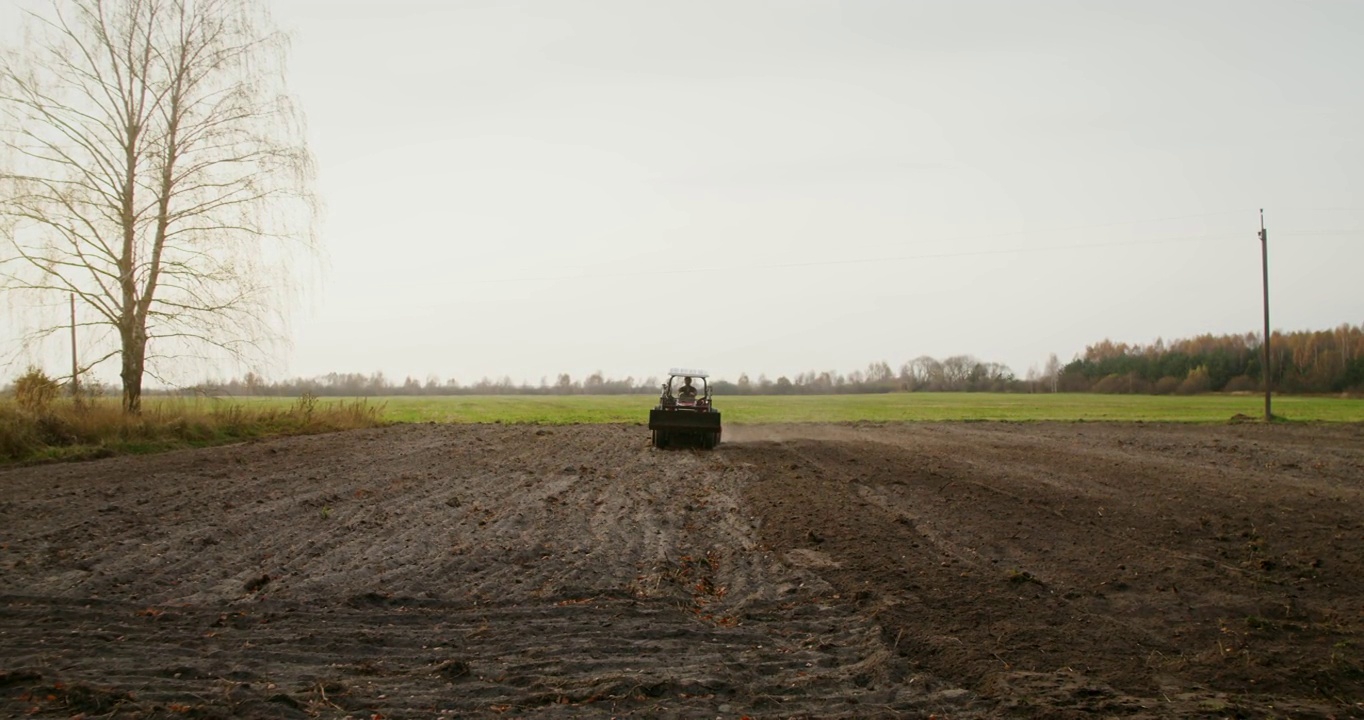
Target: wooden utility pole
column 1264, row 265
column 75, row 367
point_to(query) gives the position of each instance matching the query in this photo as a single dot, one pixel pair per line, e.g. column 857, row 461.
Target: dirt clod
column 256, row 583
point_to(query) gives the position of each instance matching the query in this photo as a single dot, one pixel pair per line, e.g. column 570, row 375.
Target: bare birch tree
column 153, row 165
column 1053, row 372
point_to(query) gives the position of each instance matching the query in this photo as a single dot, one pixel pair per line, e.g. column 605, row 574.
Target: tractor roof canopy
column 688, row 372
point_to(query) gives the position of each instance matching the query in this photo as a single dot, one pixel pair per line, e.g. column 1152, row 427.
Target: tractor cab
column 684, row 414
column 681, row 390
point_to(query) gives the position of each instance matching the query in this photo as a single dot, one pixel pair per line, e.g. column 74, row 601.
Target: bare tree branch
column 149, row 159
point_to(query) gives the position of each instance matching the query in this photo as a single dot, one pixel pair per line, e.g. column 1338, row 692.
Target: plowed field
column 964, row 570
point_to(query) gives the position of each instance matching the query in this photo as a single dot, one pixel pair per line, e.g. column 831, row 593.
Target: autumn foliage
column 1323, row 361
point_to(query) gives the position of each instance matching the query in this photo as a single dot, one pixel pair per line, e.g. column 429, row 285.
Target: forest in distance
column 1305, row 362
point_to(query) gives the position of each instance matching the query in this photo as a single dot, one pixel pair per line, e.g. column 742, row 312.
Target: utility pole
column 1264, row 264
column 75, row 367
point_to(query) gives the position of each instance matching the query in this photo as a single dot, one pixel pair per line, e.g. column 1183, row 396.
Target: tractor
column 686, row 416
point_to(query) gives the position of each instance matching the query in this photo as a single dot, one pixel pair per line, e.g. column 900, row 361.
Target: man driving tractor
column 684, row 415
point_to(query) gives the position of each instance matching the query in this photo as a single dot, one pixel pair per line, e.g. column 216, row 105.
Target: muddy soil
column 960, row 570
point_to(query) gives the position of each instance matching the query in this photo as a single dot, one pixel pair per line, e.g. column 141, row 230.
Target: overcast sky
column 527, row 188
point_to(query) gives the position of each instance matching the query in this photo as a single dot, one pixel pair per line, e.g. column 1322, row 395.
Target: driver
column 687, row 391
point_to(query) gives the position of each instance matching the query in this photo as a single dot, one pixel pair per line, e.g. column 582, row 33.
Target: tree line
column 956, row 373
column 1322, row 361
column 377, row 383
column 1309, row 361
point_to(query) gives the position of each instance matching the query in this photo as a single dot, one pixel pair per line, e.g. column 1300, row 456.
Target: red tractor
column 685, row 416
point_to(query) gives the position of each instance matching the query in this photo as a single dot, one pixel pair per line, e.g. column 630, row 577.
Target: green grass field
column 67, row 432
column 557, row 410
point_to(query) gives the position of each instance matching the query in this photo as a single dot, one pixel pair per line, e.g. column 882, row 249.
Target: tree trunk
column 134, row 361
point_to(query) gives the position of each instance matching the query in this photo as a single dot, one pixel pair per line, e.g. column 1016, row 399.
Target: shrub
column 1166, row 385
column 305, row 406
column 1110, row 384
column 1198, row 381
column 34, row 391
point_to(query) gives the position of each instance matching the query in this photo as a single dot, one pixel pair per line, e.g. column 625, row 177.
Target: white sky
column 527, row 188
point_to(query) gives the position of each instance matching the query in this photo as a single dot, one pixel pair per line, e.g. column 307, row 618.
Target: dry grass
column 63, row 429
